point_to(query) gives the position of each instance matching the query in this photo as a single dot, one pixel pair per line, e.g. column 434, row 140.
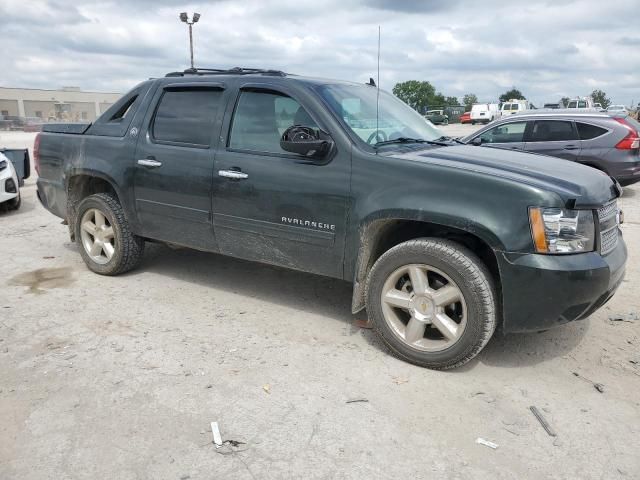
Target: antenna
column 378, row 87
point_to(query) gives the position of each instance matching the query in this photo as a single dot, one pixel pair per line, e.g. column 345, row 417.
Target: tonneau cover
column 72, row 128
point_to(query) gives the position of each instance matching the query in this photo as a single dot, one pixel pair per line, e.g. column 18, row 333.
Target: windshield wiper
column 400, row 140
column 451, row 139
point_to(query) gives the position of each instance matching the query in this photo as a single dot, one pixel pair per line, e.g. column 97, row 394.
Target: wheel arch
column 83, row 183
column 378, row 236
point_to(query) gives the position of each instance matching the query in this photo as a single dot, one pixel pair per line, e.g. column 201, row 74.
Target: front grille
column 607, row 211
column 608, row 218
column 608, row 240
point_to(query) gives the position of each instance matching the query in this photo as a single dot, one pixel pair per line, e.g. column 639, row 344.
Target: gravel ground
column 120, row 378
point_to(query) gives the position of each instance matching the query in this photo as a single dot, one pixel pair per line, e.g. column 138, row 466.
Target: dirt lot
column 119, row 378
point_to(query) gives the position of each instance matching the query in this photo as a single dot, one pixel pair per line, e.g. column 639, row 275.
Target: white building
column 67, row 104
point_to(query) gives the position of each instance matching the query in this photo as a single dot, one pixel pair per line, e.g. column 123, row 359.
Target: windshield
column 356, row 106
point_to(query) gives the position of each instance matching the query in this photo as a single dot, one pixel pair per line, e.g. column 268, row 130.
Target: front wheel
column 107, row 245
column 14, row 203
column 432, row 301
column 445, row 121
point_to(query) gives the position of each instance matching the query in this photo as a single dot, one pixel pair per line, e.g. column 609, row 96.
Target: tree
column 469, row 99
column 565, row 101
column 513, row 93
column 600, row 97
column 452, row 101
column 418, row 95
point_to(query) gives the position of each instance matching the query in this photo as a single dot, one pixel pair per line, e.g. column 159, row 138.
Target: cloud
column 480, row 47
column 630, row 41
column 413, row 6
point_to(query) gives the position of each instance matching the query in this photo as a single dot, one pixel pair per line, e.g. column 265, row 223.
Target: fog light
column 10, row 186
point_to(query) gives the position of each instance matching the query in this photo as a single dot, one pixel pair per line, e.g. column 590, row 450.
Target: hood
column 577, row 184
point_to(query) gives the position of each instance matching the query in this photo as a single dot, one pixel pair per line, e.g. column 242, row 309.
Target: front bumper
column 8, row 173
column 544, row 291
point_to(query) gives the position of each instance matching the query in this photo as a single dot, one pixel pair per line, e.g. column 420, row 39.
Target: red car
column 465, row 117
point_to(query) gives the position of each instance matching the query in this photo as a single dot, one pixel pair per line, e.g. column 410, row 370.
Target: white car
column 617, row 109
column 9, row 184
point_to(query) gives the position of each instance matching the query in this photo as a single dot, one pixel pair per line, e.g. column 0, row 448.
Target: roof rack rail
column 231, row 71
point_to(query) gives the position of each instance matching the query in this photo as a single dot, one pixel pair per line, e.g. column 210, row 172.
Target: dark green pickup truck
column 443, row 242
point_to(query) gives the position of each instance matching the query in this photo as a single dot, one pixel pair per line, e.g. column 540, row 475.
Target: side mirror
column 477, row 141
column 305, row 141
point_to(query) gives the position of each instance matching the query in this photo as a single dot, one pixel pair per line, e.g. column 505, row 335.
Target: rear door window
column 587, row 131
column 186, row 116
column 505, row 133
column 552, row 131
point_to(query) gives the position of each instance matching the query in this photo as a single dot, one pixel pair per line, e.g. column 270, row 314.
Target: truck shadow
column 525, row 349
column 332, row 299
column 302, row 291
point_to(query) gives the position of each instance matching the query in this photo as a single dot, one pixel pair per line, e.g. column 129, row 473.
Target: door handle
column 571, row 147
column 235, row 174
column 149, row 162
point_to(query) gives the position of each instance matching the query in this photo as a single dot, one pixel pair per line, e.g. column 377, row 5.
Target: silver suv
column 608, row 142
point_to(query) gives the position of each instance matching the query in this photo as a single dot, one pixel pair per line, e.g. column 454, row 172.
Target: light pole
column 185, row 18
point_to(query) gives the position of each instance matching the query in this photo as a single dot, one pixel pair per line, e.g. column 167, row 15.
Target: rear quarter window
column 186, row 116
column 587, row 131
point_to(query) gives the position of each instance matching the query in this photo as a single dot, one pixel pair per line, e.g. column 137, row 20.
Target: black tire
column 474, row 282
column 14, row 203
column 128, row 248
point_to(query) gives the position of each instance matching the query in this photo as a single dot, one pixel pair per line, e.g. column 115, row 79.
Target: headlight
column 557, row 230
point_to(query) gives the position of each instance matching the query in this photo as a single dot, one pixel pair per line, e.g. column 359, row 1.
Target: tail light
column 36, row 153
column 632, row 140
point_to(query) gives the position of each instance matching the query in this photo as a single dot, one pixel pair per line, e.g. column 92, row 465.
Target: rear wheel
column 432, row 302
column 108, row 246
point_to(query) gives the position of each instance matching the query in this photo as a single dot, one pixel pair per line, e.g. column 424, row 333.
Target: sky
column 547, row 49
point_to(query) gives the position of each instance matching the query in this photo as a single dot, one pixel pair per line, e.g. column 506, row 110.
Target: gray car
column 608, row 142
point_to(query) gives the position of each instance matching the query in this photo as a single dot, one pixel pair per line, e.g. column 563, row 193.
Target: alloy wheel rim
column 424, row 307
column 98, row 238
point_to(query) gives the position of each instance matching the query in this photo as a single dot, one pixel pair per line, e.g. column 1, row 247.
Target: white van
column 484, row 112
column 513, row 106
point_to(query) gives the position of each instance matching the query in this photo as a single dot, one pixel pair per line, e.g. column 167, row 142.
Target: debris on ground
column 267, row 388
column 484, row 396
column 399, row 380
column 357, row 400
column 487, row 443
column 543, row 421
column 220, row 444
column 217, row 438
column 624, row 317
column 598, row 386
